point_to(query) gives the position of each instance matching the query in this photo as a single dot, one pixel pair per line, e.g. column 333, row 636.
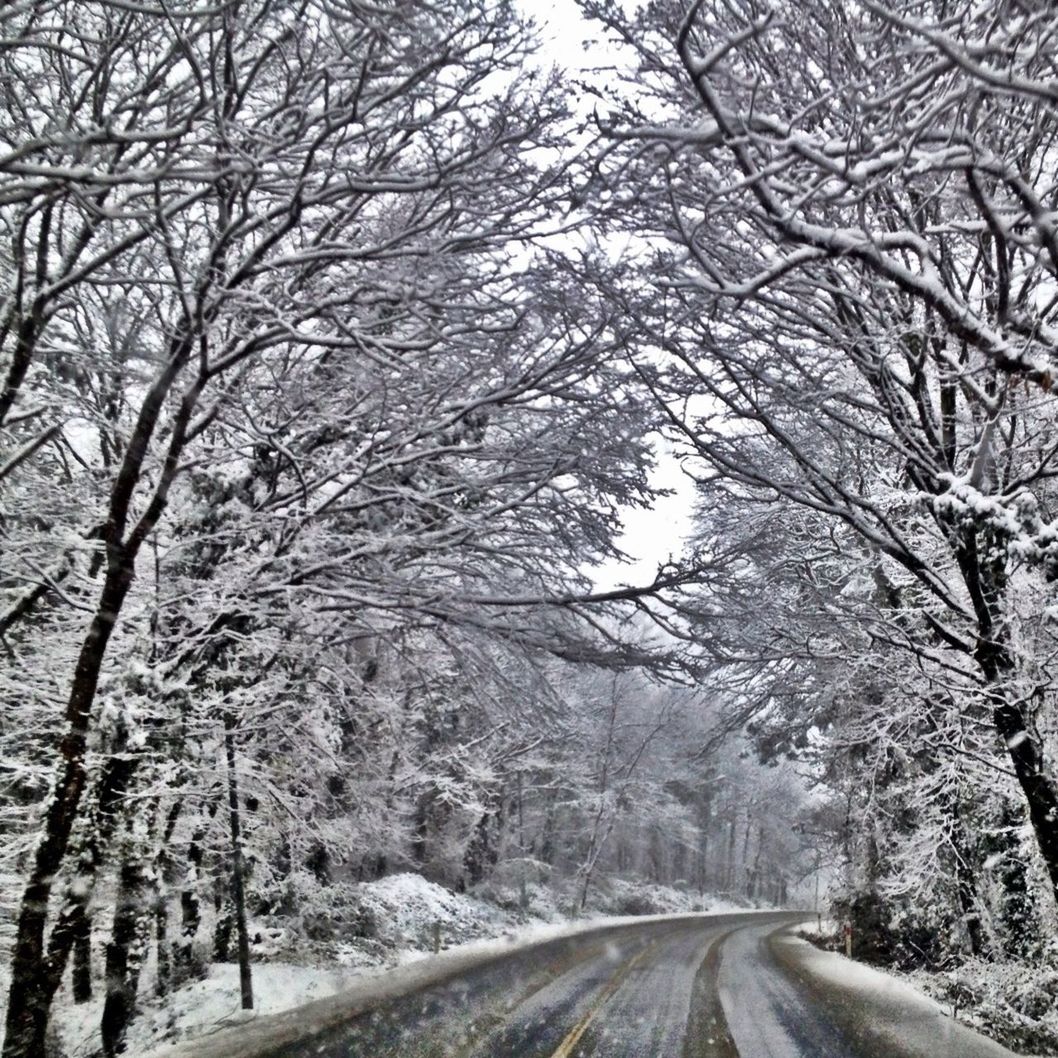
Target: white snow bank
column 406, row 907
column 1012, row 1000
column 202, row 1007
column 868, row 1001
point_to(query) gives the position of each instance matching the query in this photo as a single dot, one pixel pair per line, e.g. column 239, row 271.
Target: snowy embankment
column 1013, row 1002
column 407, row 914
column 878, row 1007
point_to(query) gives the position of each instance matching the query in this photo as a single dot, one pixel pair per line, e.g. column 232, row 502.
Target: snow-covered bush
column 621, row 896
column 1015, row 1003
column 407, row 908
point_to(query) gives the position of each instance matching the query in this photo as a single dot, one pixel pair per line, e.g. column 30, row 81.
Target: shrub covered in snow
column 1014, row 1003
column 620, row 896
column 406, row 908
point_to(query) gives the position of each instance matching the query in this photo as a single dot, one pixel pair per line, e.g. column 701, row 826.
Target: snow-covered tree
column 848, row 310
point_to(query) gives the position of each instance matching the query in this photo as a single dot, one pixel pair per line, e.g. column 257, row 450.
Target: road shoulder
column 884, row 1015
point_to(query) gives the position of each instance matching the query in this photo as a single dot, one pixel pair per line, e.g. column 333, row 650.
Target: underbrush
column 1014, row 1003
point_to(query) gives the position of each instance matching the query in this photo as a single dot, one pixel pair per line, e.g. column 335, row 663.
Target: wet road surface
column 727, row 986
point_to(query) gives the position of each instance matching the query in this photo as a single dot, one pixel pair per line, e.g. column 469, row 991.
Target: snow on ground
column 1012, row 1001
column 202, row 1007
column 405, row 909
column 858, row 977
column 887, row 1006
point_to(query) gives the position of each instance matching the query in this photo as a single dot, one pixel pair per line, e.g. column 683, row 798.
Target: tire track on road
column 708, row 1034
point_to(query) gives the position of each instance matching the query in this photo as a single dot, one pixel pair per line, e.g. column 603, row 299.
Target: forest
column 340, row 341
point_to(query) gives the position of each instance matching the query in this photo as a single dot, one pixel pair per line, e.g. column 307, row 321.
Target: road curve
column 724, row 986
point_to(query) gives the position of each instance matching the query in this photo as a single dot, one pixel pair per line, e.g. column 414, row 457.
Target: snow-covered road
column 725, row 986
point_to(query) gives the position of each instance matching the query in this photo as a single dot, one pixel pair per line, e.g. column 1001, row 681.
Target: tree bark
column 29, row 998
column 965, row 882
column 162, row 879
column 1016, row 726
column 164, row 979
column 124, row 957
column 37, row 968
column 82, row 960
column 184, row 966
column 33, row 969
column 1018, row 920
column 238, row 891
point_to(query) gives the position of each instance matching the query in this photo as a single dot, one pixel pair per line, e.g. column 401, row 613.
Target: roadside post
column 846, row 929
column 436, row 936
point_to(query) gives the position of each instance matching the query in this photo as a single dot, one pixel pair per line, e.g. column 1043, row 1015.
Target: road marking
column 565, row 1048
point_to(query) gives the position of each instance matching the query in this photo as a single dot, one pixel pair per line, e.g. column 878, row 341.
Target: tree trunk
column 37, row 968
column 124, row 957
column 744, row 861
column 30, row 995
column 482, row 851
column 184, row 964
column 1039, row 788
column 164, row 979
column 238, row 891
column 546, row 851
column 1016, row 726
column 82, row 960
column 703, row 848
column 1021, row 936
column 965, row 882
column 162, row 879
column 729, row 876
column 222, row 928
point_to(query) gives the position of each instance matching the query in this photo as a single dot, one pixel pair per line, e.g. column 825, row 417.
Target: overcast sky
column 651, row 537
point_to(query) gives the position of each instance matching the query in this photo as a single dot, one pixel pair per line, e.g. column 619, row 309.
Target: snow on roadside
column 406, row 907
column 886, row 1006
column 1016, row 1002
column 202, row 1007
column 205, row 1006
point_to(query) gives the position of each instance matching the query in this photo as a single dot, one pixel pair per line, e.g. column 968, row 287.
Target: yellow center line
column 565, row 1048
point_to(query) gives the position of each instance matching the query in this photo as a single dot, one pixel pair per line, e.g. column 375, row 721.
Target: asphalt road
column 720, row 987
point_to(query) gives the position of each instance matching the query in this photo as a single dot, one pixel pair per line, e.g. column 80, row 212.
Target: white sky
column 651, row 537
column 563, row 32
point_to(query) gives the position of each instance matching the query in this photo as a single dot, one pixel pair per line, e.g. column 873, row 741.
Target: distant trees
column 844, row 304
